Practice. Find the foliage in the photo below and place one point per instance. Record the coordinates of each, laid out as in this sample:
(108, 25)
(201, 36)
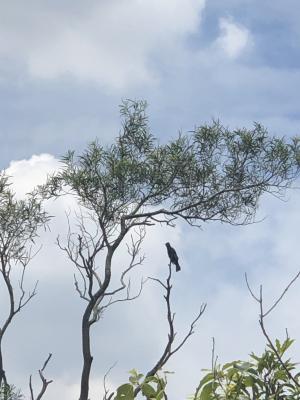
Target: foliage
(151, 387)
(263, 377)
(211, 174)
(9, 392)
(19, 221)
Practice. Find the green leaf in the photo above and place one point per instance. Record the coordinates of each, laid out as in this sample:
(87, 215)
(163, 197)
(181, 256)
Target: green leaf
(135, 376)
(230, 364)
(148, 390)
(244, 366)
(281, 375)
(206, 392)
(249, 381)
(125, 392)
(133, 380)
(133, 372)
(277, 344)
(160, 395)
(206, 379)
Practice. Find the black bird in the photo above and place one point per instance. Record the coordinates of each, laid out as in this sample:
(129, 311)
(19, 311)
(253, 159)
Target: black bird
(173, 256)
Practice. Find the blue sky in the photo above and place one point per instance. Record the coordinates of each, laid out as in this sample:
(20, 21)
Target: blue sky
(65, 66)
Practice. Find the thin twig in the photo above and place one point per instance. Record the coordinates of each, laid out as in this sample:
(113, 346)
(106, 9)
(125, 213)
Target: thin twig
(282, 294)
(107, 396)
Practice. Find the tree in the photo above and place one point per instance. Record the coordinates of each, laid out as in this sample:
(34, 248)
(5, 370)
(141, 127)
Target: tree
(9, 392)
(19, 224)
(211, 174)
(262, 377)
(268, 376)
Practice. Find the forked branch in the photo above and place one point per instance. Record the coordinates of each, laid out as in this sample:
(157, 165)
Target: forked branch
(107, 394)
(262, 314)
(45, 382)
(135, 260)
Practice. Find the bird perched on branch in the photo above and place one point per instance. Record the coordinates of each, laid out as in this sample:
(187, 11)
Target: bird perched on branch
(173, 256)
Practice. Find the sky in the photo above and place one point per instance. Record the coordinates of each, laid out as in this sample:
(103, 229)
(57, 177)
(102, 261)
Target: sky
(65, 67)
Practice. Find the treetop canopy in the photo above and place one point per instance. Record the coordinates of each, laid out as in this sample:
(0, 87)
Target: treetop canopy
(212, 173)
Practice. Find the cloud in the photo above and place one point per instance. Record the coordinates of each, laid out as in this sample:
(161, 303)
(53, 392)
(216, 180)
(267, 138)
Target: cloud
(197, 79)
(233, 39)
(28, 173)
(111, 43)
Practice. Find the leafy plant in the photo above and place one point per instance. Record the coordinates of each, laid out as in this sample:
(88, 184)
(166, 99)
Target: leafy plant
(263, 377)
(151, 387)
(9, 392)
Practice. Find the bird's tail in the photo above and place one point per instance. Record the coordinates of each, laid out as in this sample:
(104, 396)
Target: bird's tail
(178, 267)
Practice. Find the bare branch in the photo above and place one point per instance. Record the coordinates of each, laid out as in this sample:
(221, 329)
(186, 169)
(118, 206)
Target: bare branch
(82, 293)
(133, 251)
(169, 349)
(263, 314)
(249, 288)
(282, 294)
(107, 395)
(45, 382)
(16, 302)
(191, 330)
(99, 311)
(159, 281)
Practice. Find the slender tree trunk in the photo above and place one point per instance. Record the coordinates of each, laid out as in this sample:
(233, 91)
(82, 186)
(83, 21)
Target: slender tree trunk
(86, 353)
(86, 327)
(2, 372)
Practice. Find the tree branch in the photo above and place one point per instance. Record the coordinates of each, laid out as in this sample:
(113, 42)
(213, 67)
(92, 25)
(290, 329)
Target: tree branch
(107, 395)
(263, 314)
(45, 382)
(169, 350)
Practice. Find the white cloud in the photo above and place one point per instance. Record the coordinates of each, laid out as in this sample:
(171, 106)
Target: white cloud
(111, 42)
(27, 174)
(233, 39)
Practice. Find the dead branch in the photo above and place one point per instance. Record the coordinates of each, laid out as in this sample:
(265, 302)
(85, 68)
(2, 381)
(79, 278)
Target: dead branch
(282, 294)
(133, 250)
(170, 350)
(45, 382)
(100, 310)
(107, 394)
(16, 303)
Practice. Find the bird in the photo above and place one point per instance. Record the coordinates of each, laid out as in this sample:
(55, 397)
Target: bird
(173, 256)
